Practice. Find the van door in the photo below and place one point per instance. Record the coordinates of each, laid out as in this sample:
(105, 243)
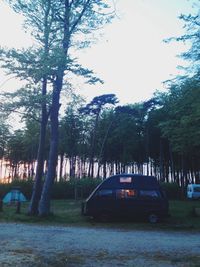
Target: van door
(103, 202)
(150, 201)
(127, 202)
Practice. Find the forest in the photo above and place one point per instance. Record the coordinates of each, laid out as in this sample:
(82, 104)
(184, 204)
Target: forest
(159, 136)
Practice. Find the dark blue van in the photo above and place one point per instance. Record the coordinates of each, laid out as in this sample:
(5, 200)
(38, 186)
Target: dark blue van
(129, 195)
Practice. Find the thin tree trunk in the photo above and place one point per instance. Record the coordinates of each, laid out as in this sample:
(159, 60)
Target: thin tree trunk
(104, 170)
(102, 146)
(183, 174)
(161, 162)
(91, 163)
(72, 166)
(61, 165)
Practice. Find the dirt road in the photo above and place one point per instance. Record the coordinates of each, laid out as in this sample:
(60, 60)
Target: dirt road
(24, 245)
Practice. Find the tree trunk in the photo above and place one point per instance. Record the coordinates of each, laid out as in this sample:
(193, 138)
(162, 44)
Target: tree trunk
(72, 166)
(91, 163)
(102, 146)
(61, 165)
(183, 174)
(161, 163)
(104, 170)
(78, 174)
(44, 204)
(171, 163)
(36, 194)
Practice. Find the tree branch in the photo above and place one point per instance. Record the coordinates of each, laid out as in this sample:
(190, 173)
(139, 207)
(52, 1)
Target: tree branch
(79, 17)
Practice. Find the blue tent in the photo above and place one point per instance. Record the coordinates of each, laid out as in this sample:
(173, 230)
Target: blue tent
(14, 195)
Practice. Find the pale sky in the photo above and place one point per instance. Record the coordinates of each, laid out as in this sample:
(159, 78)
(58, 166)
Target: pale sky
(130, 57)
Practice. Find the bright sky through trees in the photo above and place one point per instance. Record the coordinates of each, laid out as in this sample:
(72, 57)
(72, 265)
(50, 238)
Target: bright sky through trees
(130, 56)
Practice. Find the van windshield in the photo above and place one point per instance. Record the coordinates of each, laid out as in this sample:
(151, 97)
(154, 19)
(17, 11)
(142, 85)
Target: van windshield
(197, 189)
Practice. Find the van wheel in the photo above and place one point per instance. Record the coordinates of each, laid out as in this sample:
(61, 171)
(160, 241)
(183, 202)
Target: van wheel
(153, 218)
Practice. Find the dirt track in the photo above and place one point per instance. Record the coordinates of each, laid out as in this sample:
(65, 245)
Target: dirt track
(24, 245)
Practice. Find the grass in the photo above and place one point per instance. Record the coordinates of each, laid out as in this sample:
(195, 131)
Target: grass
(67, 212)
(183, 215)
(63, 212)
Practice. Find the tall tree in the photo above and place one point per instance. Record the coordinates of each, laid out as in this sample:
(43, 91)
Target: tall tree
(64, 21)
(16, 152)
(74, 18)
(192, 24)
(4, 137)
(32, 64)
(192, 38)
(71, 127)
(31, 104)
(95, 108)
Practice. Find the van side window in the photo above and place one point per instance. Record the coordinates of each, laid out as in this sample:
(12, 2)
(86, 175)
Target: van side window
(149, 194)
(125, 193)
(104, 193)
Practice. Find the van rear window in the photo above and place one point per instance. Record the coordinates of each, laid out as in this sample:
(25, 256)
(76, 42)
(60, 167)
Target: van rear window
(149, 194)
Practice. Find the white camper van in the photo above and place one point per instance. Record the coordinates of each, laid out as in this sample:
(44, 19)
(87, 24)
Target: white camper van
(193, 191)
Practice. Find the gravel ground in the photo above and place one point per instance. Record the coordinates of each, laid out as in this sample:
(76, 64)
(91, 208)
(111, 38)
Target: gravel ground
(24, 245)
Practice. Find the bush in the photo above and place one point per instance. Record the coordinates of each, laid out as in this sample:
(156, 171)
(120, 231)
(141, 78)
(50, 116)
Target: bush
(172, 190)
(77, 188)
(62, 190)
(4, 188)
(74, 188)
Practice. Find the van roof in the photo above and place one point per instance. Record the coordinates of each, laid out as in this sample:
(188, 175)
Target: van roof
(130, 181)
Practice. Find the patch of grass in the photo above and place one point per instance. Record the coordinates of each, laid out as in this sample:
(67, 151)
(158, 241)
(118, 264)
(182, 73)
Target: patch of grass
(182, 214)
(63, 212)
(68, 212)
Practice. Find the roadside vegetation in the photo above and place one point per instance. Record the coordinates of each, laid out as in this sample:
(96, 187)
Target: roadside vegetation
(66, 206)
(68, 212)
